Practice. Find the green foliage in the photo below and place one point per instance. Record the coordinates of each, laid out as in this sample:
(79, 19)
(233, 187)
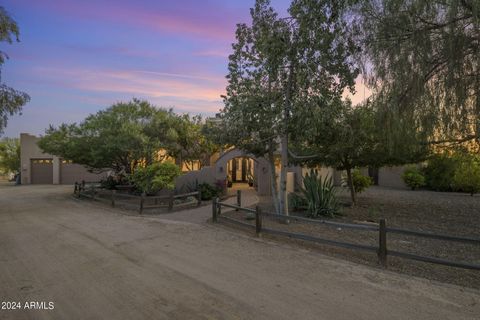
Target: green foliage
(360, 182)
(155, 177)
(118, 138)
(190, 143)
(422, 60)
(413, 177)
(319, 195)
(281, 68)
(467, 175)
(9, 155)
(440, 171)
(297, 202)
(11, 100)
(111, 182)
(208, 191)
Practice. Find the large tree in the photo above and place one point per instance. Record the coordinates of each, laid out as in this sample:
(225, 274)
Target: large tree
(422, 59)
(281, 67)
(349, 137)
(11, 100)
(118, 138)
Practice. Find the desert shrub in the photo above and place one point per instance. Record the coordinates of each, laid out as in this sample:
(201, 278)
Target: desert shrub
(440, 171)
(209, 191)
(111, 182)
(155, 177)
(360, 182)
(296, 202)
(318, 195)
(467, 175)
(413, 177)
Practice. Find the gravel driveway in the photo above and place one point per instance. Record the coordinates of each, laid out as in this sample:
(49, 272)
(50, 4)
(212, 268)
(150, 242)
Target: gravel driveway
(94, 262)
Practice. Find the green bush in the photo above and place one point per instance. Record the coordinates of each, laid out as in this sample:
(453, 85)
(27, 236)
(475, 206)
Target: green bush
(111, 182)
(155, 177)
(467, 175)
(360, 182)
(413, 177)
(208, 192)
(440, 171)
(296, 202)
(319, 195)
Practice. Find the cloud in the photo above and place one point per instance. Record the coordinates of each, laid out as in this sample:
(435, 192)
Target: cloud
(190, 19)
(163, 87)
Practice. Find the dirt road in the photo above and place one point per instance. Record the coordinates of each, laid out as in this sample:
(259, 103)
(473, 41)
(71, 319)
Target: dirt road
(93, 262)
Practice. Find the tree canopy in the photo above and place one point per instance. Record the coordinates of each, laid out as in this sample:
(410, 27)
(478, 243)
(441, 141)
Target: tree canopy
(11, 100)
(422, 60)
(9, 155)
(279, 69)
(127, 135)
(117, 138)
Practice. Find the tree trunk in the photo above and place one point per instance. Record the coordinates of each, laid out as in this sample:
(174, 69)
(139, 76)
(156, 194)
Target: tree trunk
(351, 186)
(273, 181)
(283, 175)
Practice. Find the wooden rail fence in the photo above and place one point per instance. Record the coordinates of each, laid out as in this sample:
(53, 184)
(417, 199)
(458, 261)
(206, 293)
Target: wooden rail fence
(94, 192)
(381, 250)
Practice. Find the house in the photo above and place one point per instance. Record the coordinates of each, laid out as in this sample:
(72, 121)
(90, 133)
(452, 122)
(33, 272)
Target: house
(43, 168)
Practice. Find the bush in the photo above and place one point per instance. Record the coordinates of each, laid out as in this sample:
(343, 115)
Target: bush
(111, 182)
(318, 196)
(467, 175)
(155, 177)
(297, 202)
(360, 182)
(413, 177)
(208, 191)
(440, 171)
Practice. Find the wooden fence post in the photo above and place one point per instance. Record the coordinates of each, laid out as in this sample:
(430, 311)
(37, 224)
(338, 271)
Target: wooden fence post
(239, 199)
(113, 198)
(214, 210)
(170, 203)
(382, 243)
(258, 221)
(142, 199)
(199, 195)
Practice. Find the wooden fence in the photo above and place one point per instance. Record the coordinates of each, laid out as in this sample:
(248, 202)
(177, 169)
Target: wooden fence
(382, 229)
(144, 202)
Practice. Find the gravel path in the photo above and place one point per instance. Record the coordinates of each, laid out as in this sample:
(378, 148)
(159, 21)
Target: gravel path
(94, 262)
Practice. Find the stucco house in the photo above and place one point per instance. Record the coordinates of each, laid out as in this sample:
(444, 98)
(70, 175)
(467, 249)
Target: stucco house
(37, 167)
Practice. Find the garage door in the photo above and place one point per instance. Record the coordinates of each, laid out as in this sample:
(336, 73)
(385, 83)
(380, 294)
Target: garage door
(42, 171)
(71, 172)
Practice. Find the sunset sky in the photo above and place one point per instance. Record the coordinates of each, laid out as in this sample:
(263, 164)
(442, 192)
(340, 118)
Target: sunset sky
(77, 57)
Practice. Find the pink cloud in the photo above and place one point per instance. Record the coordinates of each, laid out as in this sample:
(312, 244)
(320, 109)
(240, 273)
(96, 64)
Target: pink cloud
(190, 92)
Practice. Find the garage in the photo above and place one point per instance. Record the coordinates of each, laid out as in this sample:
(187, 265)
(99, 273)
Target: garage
(71, 172)
(42, 171)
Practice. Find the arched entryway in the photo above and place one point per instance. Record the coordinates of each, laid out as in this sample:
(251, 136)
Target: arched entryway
(243, 170)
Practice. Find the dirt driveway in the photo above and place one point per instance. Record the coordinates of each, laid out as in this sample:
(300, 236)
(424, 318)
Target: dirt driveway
(96, 263)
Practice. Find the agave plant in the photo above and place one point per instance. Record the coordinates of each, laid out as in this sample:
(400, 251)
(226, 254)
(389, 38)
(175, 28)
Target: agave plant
(319, 195)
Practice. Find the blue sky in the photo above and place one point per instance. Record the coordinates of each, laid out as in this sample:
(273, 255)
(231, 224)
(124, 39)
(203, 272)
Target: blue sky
(77, 57)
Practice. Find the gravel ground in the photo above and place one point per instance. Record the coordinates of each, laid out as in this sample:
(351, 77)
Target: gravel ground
(444, 213)
(96, 262)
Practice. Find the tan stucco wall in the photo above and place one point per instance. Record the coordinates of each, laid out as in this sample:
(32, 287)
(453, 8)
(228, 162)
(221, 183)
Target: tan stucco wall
(30, 150)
